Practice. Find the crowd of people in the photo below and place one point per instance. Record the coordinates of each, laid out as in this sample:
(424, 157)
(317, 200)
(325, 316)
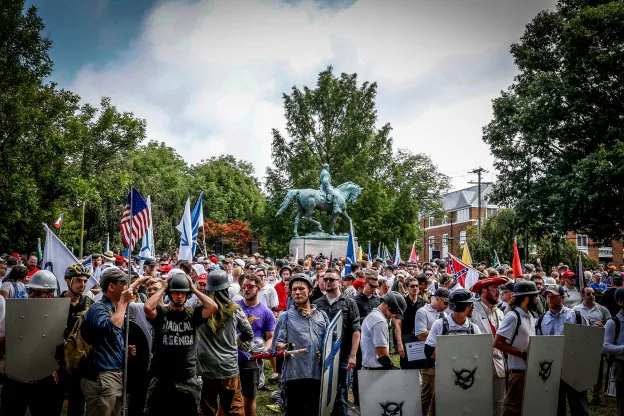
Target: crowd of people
(197, 332)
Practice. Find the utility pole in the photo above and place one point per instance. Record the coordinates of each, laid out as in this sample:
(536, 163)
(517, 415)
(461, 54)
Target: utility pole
(84, 203)
(479, 172)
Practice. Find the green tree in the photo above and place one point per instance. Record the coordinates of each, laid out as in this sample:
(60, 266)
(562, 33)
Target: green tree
(557, 132)
(336, 123)
(231, 190)
(33, 168)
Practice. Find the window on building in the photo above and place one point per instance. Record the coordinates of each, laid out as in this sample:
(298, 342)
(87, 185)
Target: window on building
(445, 220)
(463, 214)
(581, 240)
(444, 245)
(431, 246)
(462, 238)
(431, 221)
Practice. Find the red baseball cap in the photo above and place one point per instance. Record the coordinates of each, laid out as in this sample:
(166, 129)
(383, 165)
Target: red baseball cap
(359, 283)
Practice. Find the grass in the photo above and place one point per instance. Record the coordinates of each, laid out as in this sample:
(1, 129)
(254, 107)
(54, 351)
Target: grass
(608, 408)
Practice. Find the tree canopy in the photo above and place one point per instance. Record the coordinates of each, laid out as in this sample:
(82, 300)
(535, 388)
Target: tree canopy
(557, 132)
(336, 123)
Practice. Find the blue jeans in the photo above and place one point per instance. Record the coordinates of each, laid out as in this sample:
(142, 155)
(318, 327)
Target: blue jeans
(341, 405)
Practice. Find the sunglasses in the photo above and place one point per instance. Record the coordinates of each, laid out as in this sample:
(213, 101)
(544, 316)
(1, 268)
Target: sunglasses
(413, 286)
(329, 280)
(249, 286)
(38, 293)
(373, 286)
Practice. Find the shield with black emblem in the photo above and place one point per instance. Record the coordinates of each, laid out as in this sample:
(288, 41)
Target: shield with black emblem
(34, 332)
(390, 393)
(541, 386)
(582, 352)
(463, 379)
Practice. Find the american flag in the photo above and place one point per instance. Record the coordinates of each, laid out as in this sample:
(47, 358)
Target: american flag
(140, 219)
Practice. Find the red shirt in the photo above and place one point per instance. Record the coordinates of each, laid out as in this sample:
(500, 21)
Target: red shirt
(282, 296)
(30, 273)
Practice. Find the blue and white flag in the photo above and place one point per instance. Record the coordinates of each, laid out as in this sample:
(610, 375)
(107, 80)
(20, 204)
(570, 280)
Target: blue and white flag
(370, 254)
(397, 253)
(185, 227)
(107, 248)
(350, 256)
(147, 244)
(88, 263)
(57, 258)
(197, 221)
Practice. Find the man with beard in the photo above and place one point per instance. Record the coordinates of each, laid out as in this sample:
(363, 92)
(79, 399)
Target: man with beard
(31, 265)
(76, 277)
(175, 386)
(304, 327)
(331, 304)
(488, 317)
(217, 351)
(461, 303)
(512, 338)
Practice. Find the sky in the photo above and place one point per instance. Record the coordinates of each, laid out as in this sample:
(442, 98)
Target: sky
(208, 75)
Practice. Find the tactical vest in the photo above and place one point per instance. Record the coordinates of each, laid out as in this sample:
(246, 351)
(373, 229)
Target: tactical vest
(446, 330)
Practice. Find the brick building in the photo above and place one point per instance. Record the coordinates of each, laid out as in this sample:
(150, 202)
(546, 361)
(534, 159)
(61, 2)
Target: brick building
(604, 252)
(448, 234)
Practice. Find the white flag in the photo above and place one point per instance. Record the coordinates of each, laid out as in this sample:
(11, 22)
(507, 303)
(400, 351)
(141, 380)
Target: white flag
(57, 258)
(147, 245)
(185, 227)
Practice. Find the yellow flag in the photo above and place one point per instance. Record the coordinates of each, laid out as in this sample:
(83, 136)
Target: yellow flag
(466, 258)
(360, 254)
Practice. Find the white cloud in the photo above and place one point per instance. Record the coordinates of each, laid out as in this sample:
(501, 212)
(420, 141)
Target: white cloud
(208, 75)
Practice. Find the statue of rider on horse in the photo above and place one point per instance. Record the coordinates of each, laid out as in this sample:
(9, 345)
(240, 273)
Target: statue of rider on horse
(331, 200)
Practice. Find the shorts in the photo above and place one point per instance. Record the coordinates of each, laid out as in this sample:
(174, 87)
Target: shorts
(249, 377)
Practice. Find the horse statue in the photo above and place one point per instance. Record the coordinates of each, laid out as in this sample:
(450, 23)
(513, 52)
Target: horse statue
(310, 199)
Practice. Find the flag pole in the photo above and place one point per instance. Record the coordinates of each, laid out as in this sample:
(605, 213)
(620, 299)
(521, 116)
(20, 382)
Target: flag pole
(127, 318)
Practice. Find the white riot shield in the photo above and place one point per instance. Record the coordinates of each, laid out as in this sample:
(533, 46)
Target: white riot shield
(541, 386)
(581, 355)
(390, 392)
(463, 379)
(331, 363)
(34, 329)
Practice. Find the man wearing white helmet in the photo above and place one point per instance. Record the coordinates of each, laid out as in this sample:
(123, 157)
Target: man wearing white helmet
(40, 397)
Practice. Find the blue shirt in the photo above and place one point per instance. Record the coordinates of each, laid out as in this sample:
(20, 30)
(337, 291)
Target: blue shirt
(597, 286)
(611, 345)
(305, 333)
(108, 340)
(552, 324)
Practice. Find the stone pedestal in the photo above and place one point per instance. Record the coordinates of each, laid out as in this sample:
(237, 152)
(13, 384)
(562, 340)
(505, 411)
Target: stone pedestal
(336, 246)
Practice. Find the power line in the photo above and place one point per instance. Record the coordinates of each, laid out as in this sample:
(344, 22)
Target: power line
(479, 171)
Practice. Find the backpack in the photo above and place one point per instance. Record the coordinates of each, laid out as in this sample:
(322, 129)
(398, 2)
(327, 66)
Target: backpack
(76, 350)
(538, 325)
(518, 323)
(19, 293)
(446, 330)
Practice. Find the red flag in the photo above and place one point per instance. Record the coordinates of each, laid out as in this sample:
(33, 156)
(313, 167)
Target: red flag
(516, 265)
(413, 255)
(59, 222)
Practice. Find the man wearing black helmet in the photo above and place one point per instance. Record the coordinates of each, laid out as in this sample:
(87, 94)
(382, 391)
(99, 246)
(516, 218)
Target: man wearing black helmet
(303, 326)
(375, 335)
(174, 386)
(217, 350)
(512, 338)
(461, 303)
(613, 344)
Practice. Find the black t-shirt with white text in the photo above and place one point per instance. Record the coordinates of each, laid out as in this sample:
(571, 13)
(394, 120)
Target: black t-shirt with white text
(174, 342)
